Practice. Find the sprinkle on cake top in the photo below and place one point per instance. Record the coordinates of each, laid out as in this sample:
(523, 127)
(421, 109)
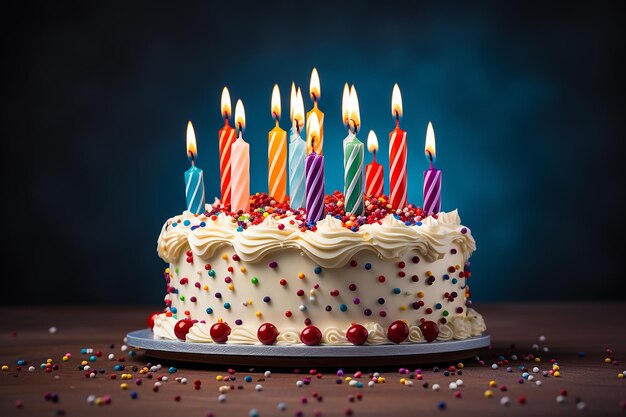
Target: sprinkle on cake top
(376, 208)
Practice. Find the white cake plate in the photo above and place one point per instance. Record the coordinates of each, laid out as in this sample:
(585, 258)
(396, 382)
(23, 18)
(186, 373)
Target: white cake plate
(298, 355)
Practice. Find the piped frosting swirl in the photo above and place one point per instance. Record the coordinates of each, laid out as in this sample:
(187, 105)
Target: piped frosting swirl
(457, 328)
(330, 246)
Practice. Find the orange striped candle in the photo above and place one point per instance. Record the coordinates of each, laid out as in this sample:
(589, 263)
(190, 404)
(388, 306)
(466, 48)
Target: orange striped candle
(226, 140)
(277, 154)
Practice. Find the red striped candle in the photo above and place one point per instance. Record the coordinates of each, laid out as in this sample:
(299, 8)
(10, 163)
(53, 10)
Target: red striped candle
(397, 155)
(432, 176)
(226, 140)
(374, 172)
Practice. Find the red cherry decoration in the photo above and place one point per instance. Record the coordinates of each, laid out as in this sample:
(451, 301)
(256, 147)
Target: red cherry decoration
(311, 336)
(430, 330)
(220, 332)
(267, 333)
(151, 318)
(398, 331)
(357, 334)
(181, 328)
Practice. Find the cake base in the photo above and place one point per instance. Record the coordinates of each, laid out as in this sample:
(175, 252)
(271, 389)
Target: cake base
(280, 356)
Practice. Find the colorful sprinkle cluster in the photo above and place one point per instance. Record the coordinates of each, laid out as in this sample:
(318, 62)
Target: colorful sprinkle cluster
(376, 208)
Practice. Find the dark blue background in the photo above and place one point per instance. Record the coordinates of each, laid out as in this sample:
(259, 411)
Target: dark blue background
(527, 100)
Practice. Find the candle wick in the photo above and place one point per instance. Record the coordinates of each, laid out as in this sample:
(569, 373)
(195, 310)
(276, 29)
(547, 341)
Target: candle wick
(297, 126)
(275, 117)
(356, 127)
(374, 154)
(397, 120)
(430, 156)
(193, 162)
(314, 99)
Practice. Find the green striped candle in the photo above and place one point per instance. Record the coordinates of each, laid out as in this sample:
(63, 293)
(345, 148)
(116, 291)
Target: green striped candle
(353, 174)
(352, 153)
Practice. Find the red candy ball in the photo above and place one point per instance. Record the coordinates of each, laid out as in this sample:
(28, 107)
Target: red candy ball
(220, 332)
(181, 328)
(430, 330)
(357, 334)
(311, 336)
(151, 318)
(398, 331)
(267, 333)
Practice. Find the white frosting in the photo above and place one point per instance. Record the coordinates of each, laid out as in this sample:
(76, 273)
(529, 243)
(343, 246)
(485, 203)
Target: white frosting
(288, 337)
(164, 327)
(242, 336)
(199, 333)
(330, 246)
(415, 334)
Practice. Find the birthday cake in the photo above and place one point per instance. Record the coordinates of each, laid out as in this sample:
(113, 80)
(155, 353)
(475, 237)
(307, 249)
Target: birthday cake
(354, 269)
(269, 277)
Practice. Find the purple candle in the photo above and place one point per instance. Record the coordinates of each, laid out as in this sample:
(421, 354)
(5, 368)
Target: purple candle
(432, 176)
(314, 171)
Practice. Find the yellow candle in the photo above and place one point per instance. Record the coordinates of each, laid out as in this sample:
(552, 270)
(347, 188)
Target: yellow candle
(315, 92)
(240, 165)
(277, 154)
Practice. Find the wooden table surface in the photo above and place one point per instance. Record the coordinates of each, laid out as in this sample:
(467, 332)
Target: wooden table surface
(577, 336)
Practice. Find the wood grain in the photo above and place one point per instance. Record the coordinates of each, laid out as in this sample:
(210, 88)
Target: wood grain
(570, 328)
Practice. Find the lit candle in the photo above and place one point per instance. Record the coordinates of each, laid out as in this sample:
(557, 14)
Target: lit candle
(226, 140)
(374, 172)
(432, 176)
(297, 152)
(277, 154)
(315, 92)
(397, 155)
(314, 174)
(194, 177)
(345, 105)
(240, 165)
(353, 160)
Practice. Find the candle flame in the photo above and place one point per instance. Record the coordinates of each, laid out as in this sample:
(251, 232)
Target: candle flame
(298, 111)
(226, 112)
(396, 103)
(345, 105)
(355, 114)
(314, 86)
(240, 117)
(430, 148)
(192, 150)
(372, 142)
(313, 134)
(292, 100)
(276, 103)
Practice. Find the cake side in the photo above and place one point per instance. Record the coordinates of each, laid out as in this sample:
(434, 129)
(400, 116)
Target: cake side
(330, 278)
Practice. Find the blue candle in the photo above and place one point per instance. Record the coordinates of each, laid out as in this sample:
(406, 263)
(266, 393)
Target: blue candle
(297, 152)
(194, 177)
